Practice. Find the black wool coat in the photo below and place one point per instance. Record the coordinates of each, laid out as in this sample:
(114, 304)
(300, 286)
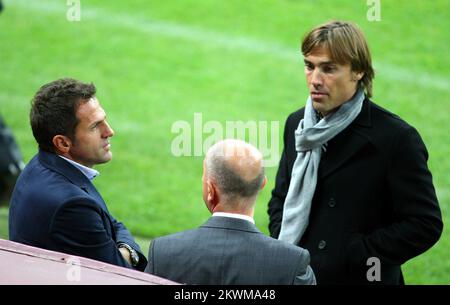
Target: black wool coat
(374, 198)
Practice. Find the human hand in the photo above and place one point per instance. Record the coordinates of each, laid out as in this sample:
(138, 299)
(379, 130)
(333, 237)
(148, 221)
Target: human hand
(126, 255)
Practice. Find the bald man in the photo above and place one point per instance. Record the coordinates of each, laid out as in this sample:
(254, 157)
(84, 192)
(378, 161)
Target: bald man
(228, 249)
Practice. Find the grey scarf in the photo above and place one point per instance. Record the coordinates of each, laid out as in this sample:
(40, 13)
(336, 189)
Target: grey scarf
(310, 138)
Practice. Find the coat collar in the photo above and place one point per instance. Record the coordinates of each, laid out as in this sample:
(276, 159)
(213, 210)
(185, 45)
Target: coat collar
(348, 142)
(73, 174)
(61, 166)
(231, 224)
(364, 117)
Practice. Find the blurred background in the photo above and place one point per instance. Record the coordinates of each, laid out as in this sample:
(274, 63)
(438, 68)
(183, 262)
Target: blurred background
(158, 62)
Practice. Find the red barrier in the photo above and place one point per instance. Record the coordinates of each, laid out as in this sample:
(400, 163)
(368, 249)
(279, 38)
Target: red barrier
(25, 265)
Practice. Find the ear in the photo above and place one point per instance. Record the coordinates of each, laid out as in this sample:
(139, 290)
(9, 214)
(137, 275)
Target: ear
(62, 144)
(357, 76)
(212, 196)
(264, 182)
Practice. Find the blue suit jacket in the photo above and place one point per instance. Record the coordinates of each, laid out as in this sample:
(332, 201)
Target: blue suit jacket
(54, 206)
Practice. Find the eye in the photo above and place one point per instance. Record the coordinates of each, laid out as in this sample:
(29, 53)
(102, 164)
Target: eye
(328, 69)
(309, 66)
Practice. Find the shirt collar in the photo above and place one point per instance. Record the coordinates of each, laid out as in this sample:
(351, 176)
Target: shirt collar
(90, 173)
(233, 215)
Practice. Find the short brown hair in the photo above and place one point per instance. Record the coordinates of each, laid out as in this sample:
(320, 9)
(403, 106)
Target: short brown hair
(346, 44)
(53, 110)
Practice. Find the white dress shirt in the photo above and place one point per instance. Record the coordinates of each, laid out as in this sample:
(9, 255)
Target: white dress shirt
(233, 215)
(90, 173)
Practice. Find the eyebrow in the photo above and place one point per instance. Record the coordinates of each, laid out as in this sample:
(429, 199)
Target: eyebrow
(97, 122)
(320, 64)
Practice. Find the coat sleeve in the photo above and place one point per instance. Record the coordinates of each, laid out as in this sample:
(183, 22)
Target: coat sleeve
(304, 274)
(78, 228)
(151, 259)
(280, 191)
(124, 236)
(416, 223)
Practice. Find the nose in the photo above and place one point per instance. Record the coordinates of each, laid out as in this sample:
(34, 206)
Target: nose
(109, 132)
(316, 78)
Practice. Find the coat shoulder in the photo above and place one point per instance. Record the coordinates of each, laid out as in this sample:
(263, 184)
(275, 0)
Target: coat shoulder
(44, 185)
(383, 116)
(45, 190)
(174, 240)
(285, 249)
(388, 127)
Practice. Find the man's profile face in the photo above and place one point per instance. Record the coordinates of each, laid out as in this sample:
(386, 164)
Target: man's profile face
(330, 84)
(91, 145)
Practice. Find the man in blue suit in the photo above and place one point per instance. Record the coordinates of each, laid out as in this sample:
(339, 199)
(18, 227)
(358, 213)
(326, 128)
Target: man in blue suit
(54, 205)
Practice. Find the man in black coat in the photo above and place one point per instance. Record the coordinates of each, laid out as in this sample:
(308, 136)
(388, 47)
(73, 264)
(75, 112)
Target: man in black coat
(353, 186)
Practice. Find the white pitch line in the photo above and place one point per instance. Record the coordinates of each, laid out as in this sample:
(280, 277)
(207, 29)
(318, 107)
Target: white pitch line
(208, 37)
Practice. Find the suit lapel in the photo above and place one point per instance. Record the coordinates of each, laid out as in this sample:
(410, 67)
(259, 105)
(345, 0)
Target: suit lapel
(346, 144)
(91, 190)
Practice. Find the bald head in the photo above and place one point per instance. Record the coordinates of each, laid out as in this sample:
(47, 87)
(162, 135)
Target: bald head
(236, 167)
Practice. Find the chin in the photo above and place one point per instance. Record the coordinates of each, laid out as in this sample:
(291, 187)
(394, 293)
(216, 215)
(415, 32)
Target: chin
(318, 106)
(106, 159)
